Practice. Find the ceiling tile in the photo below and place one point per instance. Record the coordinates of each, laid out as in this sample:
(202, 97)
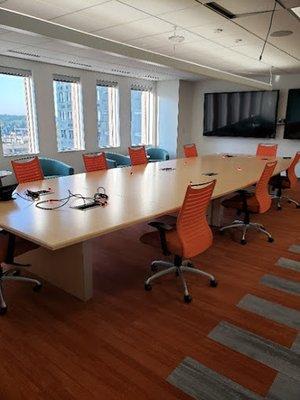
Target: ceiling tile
(156, 7)
(101, 16)
(36, 8)
(194, 16)
(135, 30)
(246, 6)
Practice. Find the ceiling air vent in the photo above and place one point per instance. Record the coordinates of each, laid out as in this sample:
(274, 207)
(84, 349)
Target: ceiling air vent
(121, 71)
(80, 64)
(24, 53)
(220, 10)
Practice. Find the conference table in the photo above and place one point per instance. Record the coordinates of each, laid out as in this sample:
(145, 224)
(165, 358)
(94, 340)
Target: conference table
(136, 194)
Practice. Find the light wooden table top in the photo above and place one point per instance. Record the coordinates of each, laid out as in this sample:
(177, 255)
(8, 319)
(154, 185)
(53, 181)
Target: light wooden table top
(136, 194)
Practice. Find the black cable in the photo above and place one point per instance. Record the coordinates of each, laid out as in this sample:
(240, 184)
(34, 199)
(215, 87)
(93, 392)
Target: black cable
(99, 198)
(270, 26)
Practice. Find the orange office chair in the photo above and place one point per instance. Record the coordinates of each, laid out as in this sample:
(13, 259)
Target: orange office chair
(95, 162)
(190, 150)
(138, 155)
(191, 236)
(266, 150)
(252, 203)
(280, 183)
(27, 170)
(11, 246)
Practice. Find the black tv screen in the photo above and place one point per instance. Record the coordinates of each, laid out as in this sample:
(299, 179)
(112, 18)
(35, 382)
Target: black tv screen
(292, 120)
(241, 114)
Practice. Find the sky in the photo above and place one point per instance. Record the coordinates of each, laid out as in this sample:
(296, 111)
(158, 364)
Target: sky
(12, 100)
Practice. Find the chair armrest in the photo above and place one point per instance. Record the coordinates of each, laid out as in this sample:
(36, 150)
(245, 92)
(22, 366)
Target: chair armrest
(162, 229)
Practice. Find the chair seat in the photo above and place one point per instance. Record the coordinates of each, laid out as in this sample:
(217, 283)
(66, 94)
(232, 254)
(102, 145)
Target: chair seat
(236, 202)
(172, 238)
(279, 181)
(21, 246)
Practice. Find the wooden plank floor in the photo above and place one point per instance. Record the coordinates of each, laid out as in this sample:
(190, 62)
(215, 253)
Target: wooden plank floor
(125, 342)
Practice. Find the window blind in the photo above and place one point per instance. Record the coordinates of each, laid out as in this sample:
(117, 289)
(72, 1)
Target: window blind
(107, 83)
(66, 79)
(14, 71)
(142, 88)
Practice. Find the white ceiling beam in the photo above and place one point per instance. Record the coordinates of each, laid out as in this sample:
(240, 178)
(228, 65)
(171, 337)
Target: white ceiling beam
(29, 24)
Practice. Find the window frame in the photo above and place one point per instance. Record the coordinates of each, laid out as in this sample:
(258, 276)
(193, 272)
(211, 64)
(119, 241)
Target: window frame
(151, 133)
(114, 116)
(31, 114)
(76, 113)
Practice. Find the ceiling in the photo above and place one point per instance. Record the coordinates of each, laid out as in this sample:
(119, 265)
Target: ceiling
(209, 38)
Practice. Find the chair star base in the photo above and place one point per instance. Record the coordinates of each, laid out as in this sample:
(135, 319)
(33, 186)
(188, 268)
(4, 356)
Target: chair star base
(245, 227)
(185, 266)
(279, 198)
(11, 273)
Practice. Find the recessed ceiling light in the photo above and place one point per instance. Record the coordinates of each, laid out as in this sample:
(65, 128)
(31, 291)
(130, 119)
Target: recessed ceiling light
(296, 10)
(281, 33)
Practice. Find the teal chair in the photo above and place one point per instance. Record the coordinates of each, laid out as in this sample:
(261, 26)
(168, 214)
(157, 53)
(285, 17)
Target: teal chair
(54, 168)
(157, 154)
(119, 159)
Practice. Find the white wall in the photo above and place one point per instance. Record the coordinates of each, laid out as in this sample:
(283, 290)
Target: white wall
(167, 106)
(191, 118)
(43, 87)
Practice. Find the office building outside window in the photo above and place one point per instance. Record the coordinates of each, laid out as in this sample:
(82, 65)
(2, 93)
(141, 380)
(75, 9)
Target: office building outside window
(17, 113)
(142, 132)
(107, 114)
(68, 114)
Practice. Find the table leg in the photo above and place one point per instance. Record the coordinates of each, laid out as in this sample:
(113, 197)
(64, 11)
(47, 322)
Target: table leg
(216, 212)
(69, 268)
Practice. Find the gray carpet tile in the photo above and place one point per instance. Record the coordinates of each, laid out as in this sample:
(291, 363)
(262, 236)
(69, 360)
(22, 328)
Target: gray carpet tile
(274, 311)
(282, 284)
(295, 248)
(202, 383)
(284, 388)
(278, 357)
(287, 263)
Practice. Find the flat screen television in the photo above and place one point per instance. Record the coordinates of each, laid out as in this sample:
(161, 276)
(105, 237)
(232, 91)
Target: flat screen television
(241, 114)
(292, 120)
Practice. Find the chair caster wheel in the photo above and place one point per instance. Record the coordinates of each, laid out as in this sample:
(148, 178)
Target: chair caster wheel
(3, 310)
(147, 287)
(298, 206)
(213, 283)
(270, 240)
(279, 208)
(221, 232)
(187, 298)
(190, 265)
(37, 287)
(243, 241)
(289, 201)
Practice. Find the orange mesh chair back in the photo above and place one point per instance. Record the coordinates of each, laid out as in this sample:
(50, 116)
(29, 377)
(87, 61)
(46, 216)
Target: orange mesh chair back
(28, 170)
(138, 155)
(94, 162)
(192, 227)
(266, 150)
(190, 150)
(262, 187)
(291, 173)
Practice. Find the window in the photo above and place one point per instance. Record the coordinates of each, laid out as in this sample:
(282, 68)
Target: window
(68, 114)
(107, 115)
(141, 116)
(17, 114)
